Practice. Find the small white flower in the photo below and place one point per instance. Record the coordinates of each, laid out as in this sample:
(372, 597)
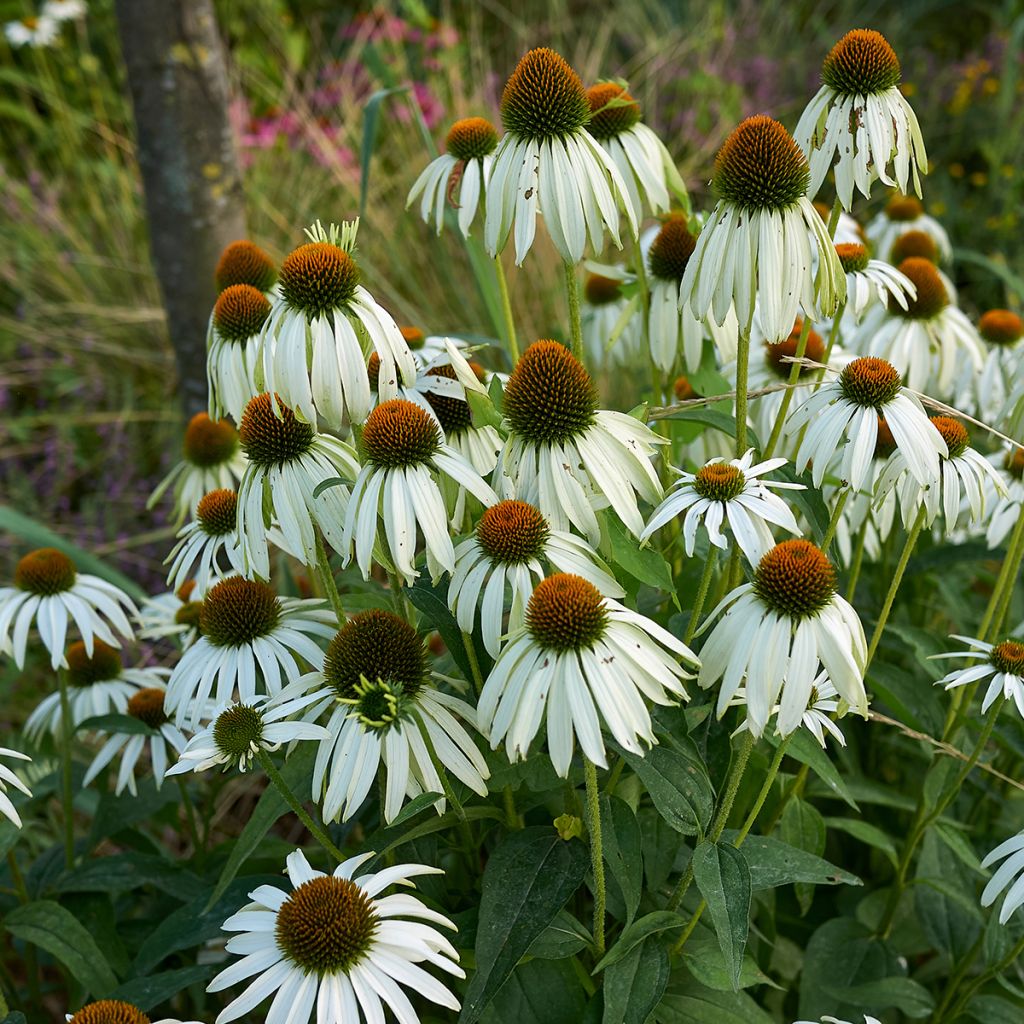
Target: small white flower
(1009, 463)
(347, 965)
(49, 591)
(1011, 870)
(987, 392)
(817, 719)
(173, 614)
(233, 346)
(8, 778)
(581, 660)
(32, 31)
(870, 282)
(197, 555)
(868, 1019)
(64, 10)
(1004, 662)
(903, 215)
(610, 321)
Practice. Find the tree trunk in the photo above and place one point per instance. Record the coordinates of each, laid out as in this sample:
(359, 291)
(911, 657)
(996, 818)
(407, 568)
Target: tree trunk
(194, 200)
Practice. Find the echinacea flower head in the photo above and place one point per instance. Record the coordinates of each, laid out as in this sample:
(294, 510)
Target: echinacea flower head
(478, 445)
(819, 717)
(900, 216)
(510, 547)
(233, 348)
(197, 554)
(775, 632)
(610, 319)
(582, 662)
(871, 281)
(1001, 327)
(860, 122)
(244, 262)
(49, 591)
(459, 175)
(286, 460)
(729, 493)
(335, 947)
(114, 1011)
(250, 639)
(868, 1019)
(40, 31)
(566, 456)
(8, 778)
(844, 415)
(1002, 664)
(913, 245)
(1010, 871)
(762, 238)
(547, 163)
(172, 614)
(404, 455)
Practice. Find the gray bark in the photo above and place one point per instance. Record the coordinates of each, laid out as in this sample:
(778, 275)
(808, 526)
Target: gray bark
(194, 199)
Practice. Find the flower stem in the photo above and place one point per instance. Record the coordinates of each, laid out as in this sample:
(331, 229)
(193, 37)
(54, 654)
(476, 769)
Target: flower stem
(296, 805)
(787, 395)
(766, 788)
(702, 594)
(327, 582)
(474, 662)
(572, 291)
(506, 310)
(833, 522)
(999, 602)
(190, 819)
(67, 792)
(742, 361)
(968, 991)
(858, 559)
(596, 852)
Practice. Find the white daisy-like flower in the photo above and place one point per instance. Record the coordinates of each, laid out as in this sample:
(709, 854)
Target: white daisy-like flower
(924, 336)
(1003, 662)
(547, 163)
(1003, 518)
(817, 719)
(405, 454)
(334, 946)
(764, 238)
(426, 348)
(511, 546)
(1001, 330)
(237, 732)
(114, 1011)
(1010, 871)
(201, 543)
(244, 262)
(645, 165)
(965, 476)
(212, 459)
(384, 711)
(458, 176)
(842, 416)
(41, 31)
(900, 216)
(98, 684)
(233, 347)
(250, 640)
(64, 10)
(581, 661)
(287, 460)
(147, 707)
(173, 614)
(566, 456)
(49, 591)
(610, 320)
(860, 121)
(321, 329)
(868, 1019)
(870, 282)
(775, 632)
(728, 494)
(8, 778)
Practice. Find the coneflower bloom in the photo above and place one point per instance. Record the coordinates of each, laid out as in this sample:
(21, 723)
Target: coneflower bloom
(547, 163)
(513, 544)
(566, 456)
(462, 170)
(1001, 330)
(250, 639)
(334, 946)
(312, 348)
(871, 281)
(868, 1019)
(818, 719)
(1010, 871)
(145, 706)
(610, 320)
(244, 262)
(776, 631)
(645, 165)
(114, 1011)
(965, 475)
(40, 31)
(1002, 665)
(8, 778)
(924, 336)
(384, 711)
(404, 455)
(203, 542)
(49, 591)
(98, 684)
(287, 459)
(728, 493)
(1010, 464)
(762, 238)
(63, 10)
(580, 661)
(211, 459)
(842, 416)
(901, 215)
(173, 614)
(233, 346)
(860, 121)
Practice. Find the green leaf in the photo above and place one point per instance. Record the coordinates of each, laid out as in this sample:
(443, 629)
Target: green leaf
(622, 851)
(958, 845)
(482, 410)
(528, 879)
(115, 723)
(805, 749)
(148, 993)
(773, 863)
(903, 994)
(326, 485)
(650, 924)
(644, 564)
(993, 1010)
(809, 501)
(704, 960)
(945, 898)
(14, 1018)
(713, 418)
(414, 806)
(564, 937)
(539, 992)
(723, 878)
(51, 927)
(633, 987)
(122, 872)
(371, 115)
(430, 600)
(704, 1006)
(678, 786)
(802, 826)
(866, 833)
(117, 813)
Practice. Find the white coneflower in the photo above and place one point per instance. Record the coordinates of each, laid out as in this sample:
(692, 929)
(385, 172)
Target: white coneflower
(775, 632)
(1001, 330)
(428, 347)
(250, 639)
(98, 684)
(320, 330)
(547, 163)
(511, 545)
(384, 711)
(924, 336)
(232, 357)
(64, 10)
(819, 717)
(763, 237)
(1003, 662)
(900, 216)
(40, 31)
(173, 614)
(1011, 870)
(728, 494)
(114, 1011)
(211, 459)
(566, 456)
(843, 415)
(869, 282)
(581, 660)
(868, 1019)
(145, 706)
(964, 477)
(237, 732)
(244, 262)
(8, 778)
(287, 460)
(611, 322)
(404, 454)
(462, 171)
(1004, 516)
(49, 591)
(197, 555)
(645, 165)
(860, 121)
(334, 947)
